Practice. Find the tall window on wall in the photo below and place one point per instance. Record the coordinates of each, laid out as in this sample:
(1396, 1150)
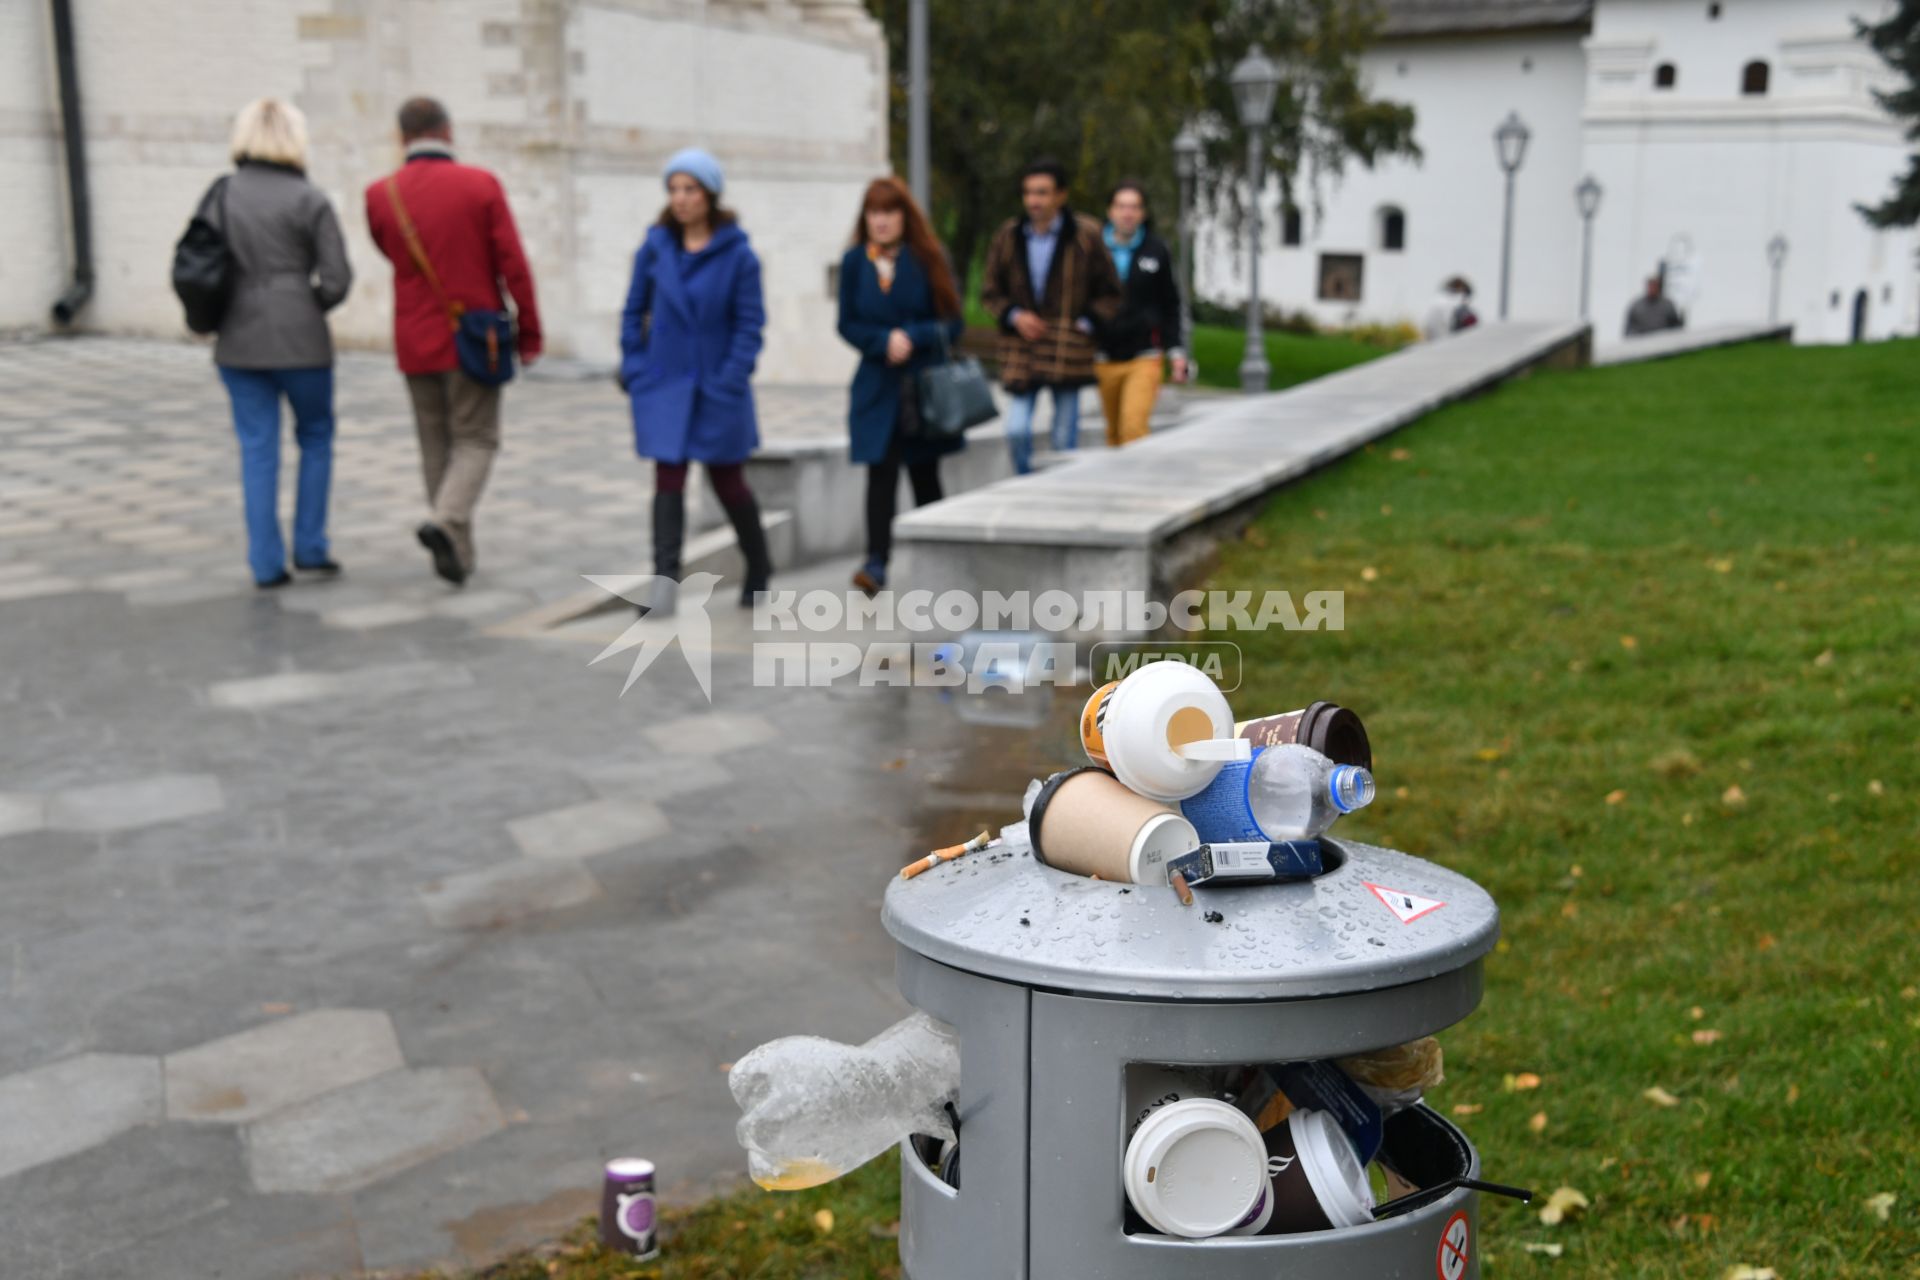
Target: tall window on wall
(1753, 79)
(1290, 226)
(1665, 76)
(1393, 229)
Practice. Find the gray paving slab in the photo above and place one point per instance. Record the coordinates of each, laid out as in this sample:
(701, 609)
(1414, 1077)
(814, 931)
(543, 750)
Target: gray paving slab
(360, 1135)
(711, 732)
(667, 774)
(21, 812)
(67, 1107)
(140, 802)
(256, 1073)
(259, 693)
(582, 830)
(510, 891)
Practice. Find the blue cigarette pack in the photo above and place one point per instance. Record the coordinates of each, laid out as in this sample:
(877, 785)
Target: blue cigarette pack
(1248, 862)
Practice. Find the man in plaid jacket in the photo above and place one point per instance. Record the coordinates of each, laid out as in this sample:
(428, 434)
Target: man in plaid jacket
(1049, 279)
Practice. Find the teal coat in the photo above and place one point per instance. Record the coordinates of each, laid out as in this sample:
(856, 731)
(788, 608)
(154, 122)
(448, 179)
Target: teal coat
(867, 315)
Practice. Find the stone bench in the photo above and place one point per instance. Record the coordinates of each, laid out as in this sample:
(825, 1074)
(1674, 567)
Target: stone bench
(1146, 517)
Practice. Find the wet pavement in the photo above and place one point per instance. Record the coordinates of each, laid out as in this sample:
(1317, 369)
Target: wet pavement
(342, 928)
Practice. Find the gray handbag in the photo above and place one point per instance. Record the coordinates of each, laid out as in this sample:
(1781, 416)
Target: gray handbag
(954, 394)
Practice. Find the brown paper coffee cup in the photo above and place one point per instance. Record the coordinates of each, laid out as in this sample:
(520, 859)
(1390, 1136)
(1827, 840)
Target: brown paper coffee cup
(1085, 822)
(1331, 729)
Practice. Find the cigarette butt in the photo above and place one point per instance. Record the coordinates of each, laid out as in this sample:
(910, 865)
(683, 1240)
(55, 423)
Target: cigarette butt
(1179, 883)
(947, 854)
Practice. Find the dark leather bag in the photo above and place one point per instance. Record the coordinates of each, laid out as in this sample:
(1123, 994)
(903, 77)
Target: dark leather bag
(482, 337)
(953, 395)
(203, 266)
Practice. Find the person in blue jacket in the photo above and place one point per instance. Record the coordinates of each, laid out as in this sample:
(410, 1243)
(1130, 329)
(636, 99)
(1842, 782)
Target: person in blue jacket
(900, 309)
(688, 340)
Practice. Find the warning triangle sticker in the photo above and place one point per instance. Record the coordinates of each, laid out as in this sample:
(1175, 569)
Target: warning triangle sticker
(1408, 907)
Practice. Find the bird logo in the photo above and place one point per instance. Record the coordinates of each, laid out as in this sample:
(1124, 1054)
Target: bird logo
(689, 624)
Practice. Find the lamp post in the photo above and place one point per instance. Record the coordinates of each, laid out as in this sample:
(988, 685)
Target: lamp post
(1776, 258)
(1510, 145)
(1587, 197)
(1186, 163)
(919, 160)
(1255, 81)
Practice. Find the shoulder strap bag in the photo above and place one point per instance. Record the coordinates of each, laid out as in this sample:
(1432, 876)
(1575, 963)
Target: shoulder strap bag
(482, 337)
(203, 266)
(954, 394)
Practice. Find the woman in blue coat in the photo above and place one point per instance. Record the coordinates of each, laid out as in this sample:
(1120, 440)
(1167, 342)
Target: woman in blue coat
(688, 342)
(900, 309)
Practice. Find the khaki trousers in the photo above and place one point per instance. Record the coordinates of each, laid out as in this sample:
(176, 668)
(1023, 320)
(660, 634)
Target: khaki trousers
(1128, 389)
(458, 421)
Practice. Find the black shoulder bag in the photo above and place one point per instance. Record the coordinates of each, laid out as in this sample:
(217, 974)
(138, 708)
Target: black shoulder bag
(203, 267)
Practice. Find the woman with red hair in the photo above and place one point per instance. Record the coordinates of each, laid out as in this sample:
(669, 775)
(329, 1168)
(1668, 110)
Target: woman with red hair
(899, 307)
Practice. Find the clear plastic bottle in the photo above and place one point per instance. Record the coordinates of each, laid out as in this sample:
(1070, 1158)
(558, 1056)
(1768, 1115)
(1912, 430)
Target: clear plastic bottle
(813, 1109)
(1289, 792)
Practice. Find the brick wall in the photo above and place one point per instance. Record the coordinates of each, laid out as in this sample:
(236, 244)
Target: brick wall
(574, 103)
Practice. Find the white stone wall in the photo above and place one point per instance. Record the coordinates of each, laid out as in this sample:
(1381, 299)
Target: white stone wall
(1699, 161)
(1452, 197)
(574, 103)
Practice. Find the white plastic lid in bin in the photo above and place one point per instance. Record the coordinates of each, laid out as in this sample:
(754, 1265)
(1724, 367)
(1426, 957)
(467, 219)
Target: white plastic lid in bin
(1333, 1168)
(1195, 1168)
(1158, 728)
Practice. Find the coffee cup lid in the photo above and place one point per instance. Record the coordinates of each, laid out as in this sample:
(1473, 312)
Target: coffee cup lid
(1195, 1168)
(1143, 716)
(1333, 1168)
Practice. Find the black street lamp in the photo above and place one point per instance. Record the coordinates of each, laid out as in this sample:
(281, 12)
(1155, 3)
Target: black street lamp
(1587, 197)
(1255, 82)
(1186, 163)
(1510, 145)
(1776, 258)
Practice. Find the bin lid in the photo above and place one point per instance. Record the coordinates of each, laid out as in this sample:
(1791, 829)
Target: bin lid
(1378, 919)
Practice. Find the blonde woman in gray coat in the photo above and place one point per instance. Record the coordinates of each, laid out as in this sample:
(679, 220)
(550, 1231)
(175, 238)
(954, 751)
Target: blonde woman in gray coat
(290, 270)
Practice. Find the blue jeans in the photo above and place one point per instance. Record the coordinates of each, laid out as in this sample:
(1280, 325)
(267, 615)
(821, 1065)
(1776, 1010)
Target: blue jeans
(256, 420)
(1065, 429)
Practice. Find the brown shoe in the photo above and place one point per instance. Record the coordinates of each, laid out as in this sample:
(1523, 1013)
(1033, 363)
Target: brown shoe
(863, 578)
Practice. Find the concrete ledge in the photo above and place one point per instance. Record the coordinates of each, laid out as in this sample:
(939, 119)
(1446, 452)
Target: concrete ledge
(1143, 518)
(1679, 342)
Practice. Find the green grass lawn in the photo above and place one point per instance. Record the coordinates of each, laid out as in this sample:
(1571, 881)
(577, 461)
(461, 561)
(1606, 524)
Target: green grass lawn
(1294, 357)
(1637, 651)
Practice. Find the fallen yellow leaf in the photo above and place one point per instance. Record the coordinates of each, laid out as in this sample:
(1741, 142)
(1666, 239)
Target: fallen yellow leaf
(1733, 797)
(1720, 566)
(1875, 787)
(1629, 642)
(1564, 1203)
(1489, 754)
(1702, 1178)
(1401, 455)
(1793, 1094)
(1745, 1272)
(1910, 993)
(823, 1219)
(1548, 1250)
(1537, 1122)
(1706, 1035)
(1824, 659)
(1696, 1013)
(1520, 1083)
(1615, 797)
(1467, 1108)
(1660, 1097)
(1369, 573)
(1881, 1206)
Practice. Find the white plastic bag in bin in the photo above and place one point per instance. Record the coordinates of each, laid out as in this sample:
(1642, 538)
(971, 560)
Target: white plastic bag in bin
(814, 1109)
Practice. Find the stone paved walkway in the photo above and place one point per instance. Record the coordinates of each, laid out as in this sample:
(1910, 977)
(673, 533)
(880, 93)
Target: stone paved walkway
(339, 933)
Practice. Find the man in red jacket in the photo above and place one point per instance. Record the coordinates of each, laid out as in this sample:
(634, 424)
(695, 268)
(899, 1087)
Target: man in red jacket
(465, 230)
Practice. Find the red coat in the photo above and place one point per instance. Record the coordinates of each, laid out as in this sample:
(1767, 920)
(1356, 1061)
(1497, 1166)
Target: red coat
(467, 230)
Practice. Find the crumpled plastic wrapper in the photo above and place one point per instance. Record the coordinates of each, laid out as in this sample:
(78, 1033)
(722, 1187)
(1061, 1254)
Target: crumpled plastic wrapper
(1397, 1077)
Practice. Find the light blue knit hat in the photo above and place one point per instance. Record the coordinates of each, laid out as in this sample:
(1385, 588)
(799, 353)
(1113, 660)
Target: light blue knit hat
(698, 165)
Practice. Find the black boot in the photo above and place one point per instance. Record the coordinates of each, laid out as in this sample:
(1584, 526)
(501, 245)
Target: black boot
(669, 528)
(753, 546)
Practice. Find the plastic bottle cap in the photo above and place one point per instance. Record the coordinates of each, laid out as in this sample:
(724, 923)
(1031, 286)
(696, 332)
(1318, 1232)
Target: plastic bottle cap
(1333, 1168)
(1153, 714)
(1164, 837)
(1195, 1168)
(1226, 750)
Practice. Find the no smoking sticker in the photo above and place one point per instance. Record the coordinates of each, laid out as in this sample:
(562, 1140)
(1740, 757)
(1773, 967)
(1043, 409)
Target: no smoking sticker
(1455, 1247)
(1408, 907)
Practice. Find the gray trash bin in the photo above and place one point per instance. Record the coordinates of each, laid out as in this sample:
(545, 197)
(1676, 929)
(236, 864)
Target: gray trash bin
(1057, 983)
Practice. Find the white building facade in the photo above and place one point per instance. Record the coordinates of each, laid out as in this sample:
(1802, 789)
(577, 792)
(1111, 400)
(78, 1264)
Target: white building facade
(575, 104)
(1712, 129)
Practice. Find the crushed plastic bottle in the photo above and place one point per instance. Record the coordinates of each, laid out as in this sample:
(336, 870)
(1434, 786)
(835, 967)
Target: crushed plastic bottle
(814, 1109)
(1288, 792)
